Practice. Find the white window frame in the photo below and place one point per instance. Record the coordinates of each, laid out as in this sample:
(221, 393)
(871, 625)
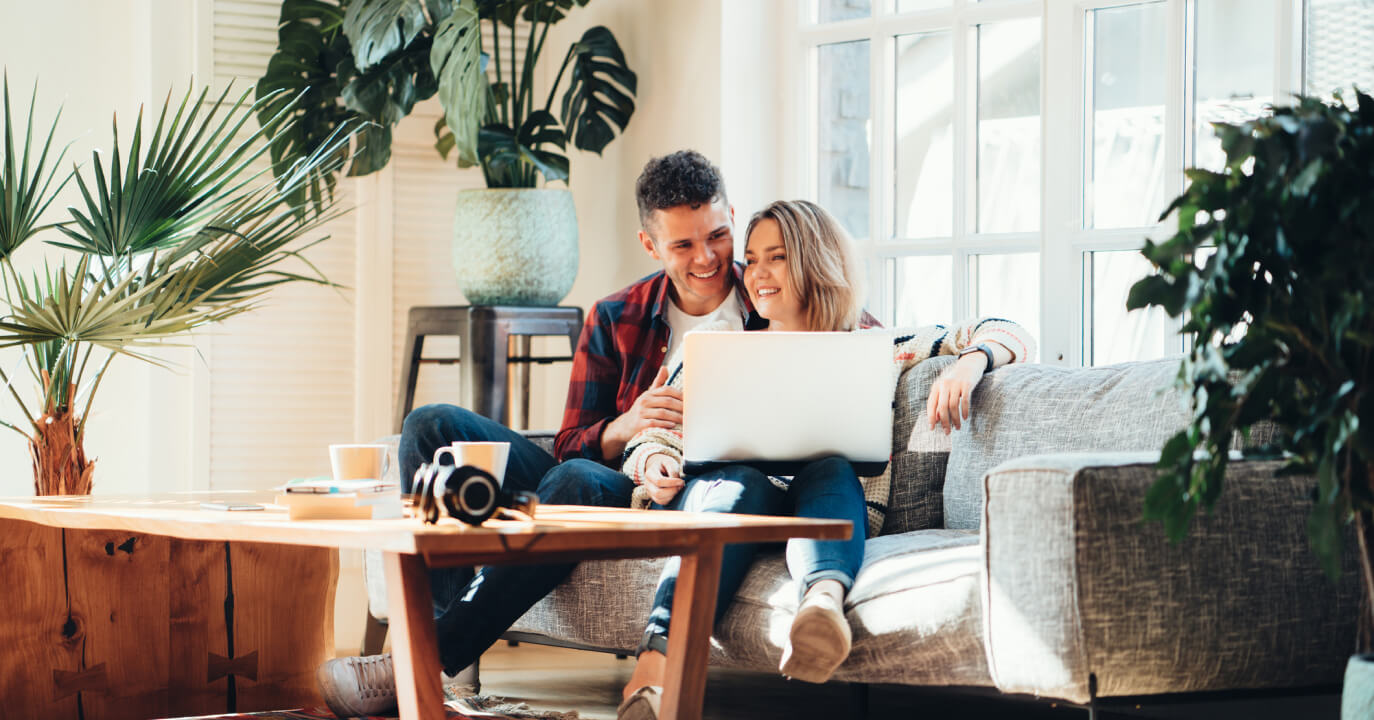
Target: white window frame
(1062, 240)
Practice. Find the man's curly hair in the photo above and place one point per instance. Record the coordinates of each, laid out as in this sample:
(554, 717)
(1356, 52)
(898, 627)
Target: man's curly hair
(685, 177)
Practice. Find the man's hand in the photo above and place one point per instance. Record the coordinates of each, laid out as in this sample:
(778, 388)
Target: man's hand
(952, 392)
(663, 477)
(659, 406)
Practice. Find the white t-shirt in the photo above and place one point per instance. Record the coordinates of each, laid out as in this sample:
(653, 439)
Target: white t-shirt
(680, 323)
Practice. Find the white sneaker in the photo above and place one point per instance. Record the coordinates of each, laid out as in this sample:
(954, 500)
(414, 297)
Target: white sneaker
(819, 640)
(354, 686)
(643, 704)
(464, 683)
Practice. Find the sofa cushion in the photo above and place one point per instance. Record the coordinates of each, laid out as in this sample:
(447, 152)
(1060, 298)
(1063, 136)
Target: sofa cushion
(603, 604)
(1035, 409)
(918, 455)
(914, 608)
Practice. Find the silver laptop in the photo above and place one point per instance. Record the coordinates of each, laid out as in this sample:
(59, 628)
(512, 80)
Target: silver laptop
(775, 400)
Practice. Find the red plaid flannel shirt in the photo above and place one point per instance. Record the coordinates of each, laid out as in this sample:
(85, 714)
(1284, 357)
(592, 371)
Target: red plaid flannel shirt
(621, 348)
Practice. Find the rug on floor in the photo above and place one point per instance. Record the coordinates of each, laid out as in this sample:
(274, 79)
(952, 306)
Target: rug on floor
(477, 707)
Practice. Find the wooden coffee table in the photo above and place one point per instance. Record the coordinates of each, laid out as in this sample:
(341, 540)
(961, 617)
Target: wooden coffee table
(411, 549)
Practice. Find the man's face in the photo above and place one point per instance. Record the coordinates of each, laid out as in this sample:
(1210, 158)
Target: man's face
(696, 246)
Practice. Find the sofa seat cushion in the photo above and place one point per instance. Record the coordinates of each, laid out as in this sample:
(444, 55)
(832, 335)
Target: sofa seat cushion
(603, 604)
(915, 609)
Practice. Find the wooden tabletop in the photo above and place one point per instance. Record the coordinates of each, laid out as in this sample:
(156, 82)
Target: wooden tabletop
(569, 527)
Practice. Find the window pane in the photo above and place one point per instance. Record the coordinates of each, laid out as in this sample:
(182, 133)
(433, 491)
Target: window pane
(923, 290)
(833, 10)
(1112, 335)
(1007, 286)
(843, 134)
(1126, 183)
(914, 5)
(1225, 90)
(1009, 126)
(1340, 45)
(924, 136)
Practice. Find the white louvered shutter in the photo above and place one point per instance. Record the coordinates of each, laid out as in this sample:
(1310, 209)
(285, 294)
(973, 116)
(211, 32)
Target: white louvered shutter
(244, 37)
(281, 376)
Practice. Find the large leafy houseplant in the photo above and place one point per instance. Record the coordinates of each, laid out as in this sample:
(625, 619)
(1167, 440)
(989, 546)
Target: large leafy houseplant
(183, 229)
(372, 60)
(1281, 316)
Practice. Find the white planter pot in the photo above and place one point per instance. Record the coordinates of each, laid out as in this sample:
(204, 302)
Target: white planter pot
(515, 246)
(1357, 695)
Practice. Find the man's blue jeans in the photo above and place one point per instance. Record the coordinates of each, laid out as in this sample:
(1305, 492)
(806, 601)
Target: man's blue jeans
(472, 611)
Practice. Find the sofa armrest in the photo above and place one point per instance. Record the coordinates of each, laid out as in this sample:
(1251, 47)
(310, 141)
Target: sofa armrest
(1081, 597)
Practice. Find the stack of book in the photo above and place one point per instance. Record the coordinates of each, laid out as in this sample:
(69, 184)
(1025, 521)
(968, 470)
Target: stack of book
(324, 498)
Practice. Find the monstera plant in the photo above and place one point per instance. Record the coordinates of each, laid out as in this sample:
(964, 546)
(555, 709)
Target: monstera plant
(373, 60)
(1281, 318)
(181, 230)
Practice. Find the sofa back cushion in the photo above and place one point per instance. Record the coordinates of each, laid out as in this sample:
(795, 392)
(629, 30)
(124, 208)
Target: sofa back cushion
(1034, 409)
(918, 470)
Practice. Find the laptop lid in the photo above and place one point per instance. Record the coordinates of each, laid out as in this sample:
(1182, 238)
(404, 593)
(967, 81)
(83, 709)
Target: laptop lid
(777, 400)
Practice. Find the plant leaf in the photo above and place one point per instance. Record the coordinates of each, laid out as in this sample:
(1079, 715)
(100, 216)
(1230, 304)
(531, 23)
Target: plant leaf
(456, 59)
(378, 28)
(25, 193)
(304, 80)
(600, 92)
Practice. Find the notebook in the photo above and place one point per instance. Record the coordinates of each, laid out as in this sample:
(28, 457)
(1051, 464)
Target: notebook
(776, 400)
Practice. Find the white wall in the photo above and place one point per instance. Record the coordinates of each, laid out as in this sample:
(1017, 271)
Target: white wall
(97, 61)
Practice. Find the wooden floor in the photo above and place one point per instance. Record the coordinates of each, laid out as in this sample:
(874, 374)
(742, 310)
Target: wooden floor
(590, 683)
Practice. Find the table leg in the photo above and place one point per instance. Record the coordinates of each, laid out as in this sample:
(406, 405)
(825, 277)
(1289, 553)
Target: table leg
(689, 638)
(415, 648)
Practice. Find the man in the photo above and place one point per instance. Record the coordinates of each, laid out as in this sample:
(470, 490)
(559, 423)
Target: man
(617, 389)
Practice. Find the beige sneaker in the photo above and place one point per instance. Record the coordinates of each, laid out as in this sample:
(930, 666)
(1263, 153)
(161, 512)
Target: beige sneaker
(354, 686)
(641, 705)
(819, 639)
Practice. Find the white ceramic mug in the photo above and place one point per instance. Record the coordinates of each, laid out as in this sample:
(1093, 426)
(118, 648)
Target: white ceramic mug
(489, 456)
(360, 461)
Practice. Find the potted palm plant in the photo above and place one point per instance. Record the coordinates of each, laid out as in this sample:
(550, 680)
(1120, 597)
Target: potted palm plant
(180, 231)
(372, 60)
(1281, 319)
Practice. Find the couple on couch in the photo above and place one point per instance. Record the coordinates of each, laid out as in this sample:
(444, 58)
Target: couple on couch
(621, 437)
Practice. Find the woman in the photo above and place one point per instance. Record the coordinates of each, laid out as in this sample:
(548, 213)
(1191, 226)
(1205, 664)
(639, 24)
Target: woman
(802, 275)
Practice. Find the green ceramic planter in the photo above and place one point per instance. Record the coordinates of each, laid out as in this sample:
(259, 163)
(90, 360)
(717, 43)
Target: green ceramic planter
(515, 246)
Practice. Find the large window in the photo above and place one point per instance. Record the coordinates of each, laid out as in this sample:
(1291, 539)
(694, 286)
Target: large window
(925, 117)
(1010, 158)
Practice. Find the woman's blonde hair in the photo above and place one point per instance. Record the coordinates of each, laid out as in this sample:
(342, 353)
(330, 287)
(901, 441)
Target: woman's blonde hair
(822, 267)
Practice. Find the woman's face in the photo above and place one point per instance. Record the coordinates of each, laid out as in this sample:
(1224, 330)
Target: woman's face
(765, 278)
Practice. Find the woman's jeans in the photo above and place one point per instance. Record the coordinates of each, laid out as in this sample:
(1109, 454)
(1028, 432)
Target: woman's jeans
(731, 489)
(472, 611)
(826, 489)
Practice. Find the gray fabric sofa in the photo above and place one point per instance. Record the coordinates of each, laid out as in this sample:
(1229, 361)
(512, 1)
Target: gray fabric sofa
(1013, 557)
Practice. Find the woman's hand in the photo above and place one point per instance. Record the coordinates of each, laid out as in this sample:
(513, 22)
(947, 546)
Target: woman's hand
(952, 392)
(663, 477)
